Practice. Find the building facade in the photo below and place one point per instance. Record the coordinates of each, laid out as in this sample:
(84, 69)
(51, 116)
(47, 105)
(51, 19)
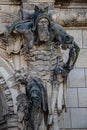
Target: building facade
(72, 15)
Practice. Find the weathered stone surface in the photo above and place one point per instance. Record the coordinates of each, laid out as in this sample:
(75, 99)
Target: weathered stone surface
(16, 128)
(7, 91)
(65, 120)
(16, 60)
(77, 34)
(10, 104)
(30, 6)
(79, 117)
(86, 76)
(65, 55)
(84, 38)
(8, 2)
(12, 124)
(82, 60)
(72, 129)
(72, 17)
(72, 99)
(9, 9)
(36, 1)
(83, 129)
(82, 97)
(77, 78)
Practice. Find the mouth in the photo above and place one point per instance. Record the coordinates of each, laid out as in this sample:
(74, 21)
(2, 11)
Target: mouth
(44, 37)
(22, 81)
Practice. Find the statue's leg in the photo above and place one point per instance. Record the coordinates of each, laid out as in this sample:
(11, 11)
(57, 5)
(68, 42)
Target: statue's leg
(54, 125)
(54, 97)
(43, 125)
(49, 95)
(60, 98)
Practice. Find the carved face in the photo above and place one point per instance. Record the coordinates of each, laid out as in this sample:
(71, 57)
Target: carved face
(43, 32)
(22, 107)
(21, 76)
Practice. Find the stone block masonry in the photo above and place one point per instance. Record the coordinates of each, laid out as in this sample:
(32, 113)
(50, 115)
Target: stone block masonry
(76, 116)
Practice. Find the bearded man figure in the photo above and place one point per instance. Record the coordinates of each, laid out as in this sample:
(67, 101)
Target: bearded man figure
(45, 60)
(48, 64)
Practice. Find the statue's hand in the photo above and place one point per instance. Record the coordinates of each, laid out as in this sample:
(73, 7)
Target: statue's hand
(60, 71)
(67, 67)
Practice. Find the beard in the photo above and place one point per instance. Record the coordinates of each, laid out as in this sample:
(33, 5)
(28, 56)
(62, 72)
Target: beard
(43, 34)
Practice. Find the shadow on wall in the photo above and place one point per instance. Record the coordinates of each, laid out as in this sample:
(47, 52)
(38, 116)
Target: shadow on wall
(63, 2)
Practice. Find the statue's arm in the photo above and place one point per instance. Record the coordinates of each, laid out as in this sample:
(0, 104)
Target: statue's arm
(66, 42)
(73, 55)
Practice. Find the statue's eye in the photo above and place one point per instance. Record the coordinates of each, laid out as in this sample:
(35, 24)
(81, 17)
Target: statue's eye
(40, 23)
(46, 22)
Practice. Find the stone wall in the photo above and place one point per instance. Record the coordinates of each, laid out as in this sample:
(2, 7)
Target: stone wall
(76, 116)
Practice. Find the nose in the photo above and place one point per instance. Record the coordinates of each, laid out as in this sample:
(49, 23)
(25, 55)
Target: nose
(45, 25)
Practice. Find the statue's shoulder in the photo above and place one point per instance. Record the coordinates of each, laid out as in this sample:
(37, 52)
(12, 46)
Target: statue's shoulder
(57, 27)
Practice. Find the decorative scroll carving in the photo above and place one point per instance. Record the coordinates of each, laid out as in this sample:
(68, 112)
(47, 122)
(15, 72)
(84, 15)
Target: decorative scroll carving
(7, 116)
(47, 74)
(3, 105)
(7, 98)
(15, 45)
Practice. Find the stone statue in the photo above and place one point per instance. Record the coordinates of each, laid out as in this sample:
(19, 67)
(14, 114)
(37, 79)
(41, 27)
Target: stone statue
(44, 40)
(22, 110)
